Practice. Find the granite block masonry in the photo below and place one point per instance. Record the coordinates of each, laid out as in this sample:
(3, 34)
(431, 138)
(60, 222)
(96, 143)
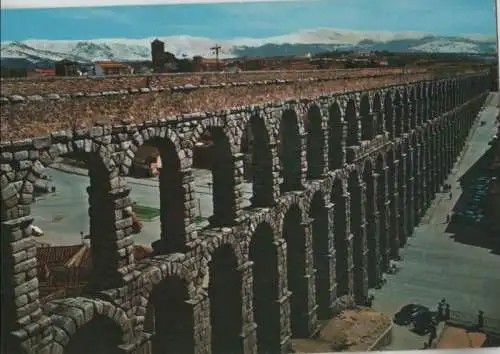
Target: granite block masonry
(333, 201)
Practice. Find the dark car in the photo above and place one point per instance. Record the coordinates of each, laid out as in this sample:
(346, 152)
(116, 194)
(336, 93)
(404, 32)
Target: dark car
(423, 322)
(408, 313)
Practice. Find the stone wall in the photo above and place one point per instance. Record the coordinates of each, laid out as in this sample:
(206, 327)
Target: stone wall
(323, 223)
(61, 85)
(25, 116)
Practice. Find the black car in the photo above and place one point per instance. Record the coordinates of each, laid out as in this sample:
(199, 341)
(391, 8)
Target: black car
(423, 322)
(408, 313)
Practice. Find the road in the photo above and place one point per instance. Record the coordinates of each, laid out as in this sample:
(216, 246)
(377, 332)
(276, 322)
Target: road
(63, 214)
(434, 265)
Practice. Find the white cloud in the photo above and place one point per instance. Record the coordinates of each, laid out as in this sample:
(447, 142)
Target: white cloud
(18, 4)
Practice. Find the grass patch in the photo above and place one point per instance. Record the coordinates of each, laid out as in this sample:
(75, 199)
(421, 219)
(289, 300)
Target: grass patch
(199, 219)
(145, 213)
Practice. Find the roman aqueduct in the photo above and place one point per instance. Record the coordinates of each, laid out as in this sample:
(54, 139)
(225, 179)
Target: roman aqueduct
(333, 202)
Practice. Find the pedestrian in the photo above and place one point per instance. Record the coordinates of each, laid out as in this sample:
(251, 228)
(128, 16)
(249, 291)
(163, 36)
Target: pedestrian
(432, 334)
(426, 345)
(447, 312)
(82, 237)
(480, 319)
(53, 188)
(447, 218)
(440, 312)
(451, 195)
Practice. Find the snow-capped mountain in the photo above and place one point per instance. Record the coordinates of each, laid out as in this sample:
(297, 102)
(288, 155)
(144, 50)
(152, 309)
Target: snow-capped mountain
(39, 52)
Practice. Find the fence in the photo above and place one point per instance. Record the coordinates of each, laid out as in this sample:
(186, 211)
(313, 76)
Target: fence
(472, 320)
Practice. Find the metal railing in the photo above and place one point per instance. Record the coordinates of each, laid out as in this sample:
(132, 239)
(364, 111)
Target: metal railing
(483, 323)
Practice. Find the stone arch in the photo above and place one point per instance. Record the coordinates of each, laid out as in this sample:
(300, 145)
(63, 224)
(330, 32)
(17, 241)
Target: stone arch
(315, 143)
(379, 113)
(355, 189)
(405, 126)
(295, 238)
(166, 142)
(401, 188)
(389, 113)
(398, 114)
(79, 321)
(367, 131)
(169, 316)
(321, 253)
(222, 167)
(372, 227)
(335, 137)
(263, 254)
(382, 199)
(262, 162)
(225, 294)
(290, 150)
(394, 207)
(412, 116)
(342, 266)
(351, 117)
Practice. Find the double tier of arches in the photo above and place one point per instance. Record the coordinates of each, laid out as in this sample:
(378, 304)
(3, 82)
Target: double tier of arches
(337, 217)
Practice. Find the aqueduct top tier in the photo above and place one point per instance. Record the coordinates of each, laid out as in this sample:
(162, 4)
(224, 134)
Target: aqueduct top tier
(340, 181)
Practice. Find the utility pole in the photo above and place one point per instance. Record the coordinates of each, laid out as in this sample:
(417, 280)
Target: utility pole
(216, 48)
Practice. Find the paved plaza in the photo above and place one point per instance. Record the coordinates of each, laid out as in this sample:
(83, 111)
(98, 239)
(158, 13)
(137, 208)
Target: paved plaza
(434, 265)
(63, 214)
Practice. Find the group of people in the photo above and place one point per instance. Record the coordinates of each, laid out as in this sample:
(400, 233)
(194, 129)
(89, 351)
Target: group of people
(443, 314)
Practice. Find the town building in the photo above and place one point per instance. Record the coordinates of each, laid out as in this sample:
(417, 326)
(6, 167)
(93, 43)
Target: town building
(162, 61)
(67, 67)
(105, 68)
(41, 72)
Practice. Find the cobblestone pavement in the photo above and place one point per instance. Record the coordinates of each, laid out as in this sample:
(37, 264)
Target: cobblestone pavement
(434, 266)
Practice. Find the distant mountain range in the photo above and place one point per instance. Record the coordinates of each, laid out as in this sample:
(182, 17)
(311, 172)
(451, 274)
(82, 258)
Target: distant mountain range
(44, 52)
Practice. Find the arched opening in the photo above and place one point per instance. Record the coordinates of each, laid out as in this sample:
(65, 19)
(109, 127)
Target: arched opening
(100, 335)
(352, 123)
(321, 254)
(342, 269)
(421, 164)
(335, 127)
(401, 198)
(382, 209)
(158, 159)
(213, 171)
(409, 202)
(398, 110)
(171, 318)
(372, 230)
(357, 229)
(265, 289)
(259, 162)
(315, 143)
(224, 291)
(388, 114)
(70, 218)
(294, 235)
(413, 109)
(365, 116)
(416, 184)
(379, 113)
(394, 207)
(406, 112)
(290, 151)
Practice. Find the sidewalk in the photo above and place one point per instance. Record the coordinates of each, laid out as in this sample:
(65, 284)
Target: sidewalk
(83, 172)
(434, 265)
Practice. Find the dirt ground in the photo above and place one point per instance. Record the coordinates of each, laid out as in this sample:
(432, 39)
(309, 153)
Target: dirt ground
(459, 338)
(353, 330)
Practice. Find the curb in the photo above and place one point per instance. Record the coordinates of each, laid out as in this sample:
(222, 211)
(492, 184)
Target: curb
(82, 172)
(383, 340)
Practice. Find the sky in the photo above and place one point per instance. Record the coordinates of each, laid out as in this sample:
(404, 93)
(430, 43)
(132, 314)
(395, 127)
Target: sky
(242, 19)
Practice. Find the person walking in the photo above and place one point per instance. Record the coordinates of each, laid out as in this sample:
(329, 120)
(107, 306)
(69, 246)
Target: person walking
(432, 334)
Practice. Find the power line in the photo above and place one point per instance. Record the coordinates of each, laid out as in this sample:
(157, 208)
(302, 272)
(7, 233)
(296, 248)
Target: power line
(216, 48)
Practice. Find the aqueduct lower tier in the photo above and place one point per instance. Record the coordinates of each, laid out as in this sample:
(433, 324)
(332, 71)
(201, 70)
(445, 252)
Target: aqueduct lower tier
(334, 199)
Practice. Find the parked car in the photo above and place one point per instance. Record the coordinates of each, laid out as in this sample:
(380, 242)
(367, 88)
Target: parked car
(408, 313)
